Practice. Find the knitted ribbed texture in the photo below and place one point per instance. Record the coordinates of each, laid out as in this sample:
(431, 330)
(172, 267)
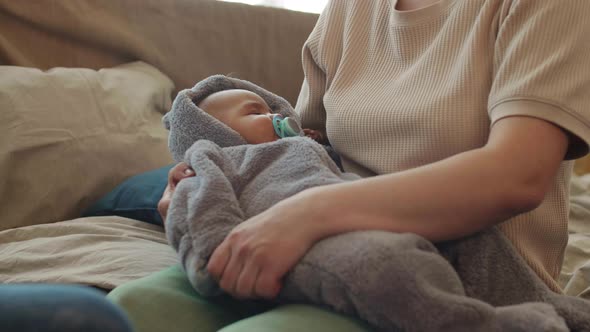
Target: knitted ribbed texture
(396, 90)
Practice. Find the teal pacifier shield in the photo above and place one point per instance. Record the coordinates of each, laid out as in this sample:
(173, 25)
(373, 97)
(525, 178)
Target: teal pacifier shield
(285, 127)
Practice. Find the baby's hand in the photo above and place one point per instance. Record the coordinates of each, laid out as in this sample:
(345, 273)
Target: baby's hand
(315, 135)
(175, 175)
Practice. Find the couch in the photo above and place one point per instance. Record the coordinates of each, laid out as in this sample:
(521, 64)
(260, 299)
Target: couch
(83, 86)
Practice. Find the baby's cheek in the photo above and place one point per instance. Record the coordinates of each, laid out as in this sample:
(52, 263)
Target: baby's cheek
(269, 128)
(265, 130)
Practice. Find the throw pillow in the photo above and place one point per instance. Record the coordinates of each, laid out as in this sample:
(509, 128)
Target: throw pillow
(69, 135)
(136, 198)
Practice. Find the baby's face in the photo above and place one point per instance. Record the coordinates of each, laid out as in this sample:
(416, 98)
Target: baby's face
(243, 111)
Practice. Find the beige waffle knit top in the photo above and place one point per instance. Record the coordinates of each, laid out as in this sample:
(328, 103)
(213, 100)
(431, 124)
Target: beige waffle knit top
(396, 90)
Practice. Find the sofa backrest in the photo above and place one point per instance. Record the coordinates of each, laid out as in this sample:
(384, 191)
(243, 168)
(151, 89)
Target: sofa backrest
(187, 40)
(70, 135)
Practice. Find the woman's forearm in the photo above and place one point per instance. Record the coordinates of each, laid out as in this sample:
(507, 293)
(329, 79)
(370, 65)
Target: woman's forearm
(449, 199)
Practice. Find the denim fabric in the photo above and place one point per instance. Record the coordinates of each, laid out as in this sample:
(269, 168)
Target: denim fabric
(58, 308)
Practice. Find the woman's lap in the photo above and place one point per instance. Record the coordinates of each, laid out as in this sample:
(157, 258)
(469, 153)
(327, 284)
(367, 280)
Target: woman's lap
(167, 301)
(63, 308)
(296, 318)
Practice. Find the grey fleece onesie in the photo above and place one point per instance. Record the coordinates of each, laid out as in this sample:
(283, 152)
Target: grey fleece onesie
(392, 281)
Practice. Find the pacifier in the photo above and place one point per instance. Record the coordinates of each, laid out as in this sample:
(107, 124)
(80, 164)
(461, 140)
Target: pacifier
(286, 127)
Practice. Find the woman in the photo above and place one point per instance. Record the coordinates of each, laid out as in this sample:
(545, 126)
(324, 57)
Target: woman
(468, 113)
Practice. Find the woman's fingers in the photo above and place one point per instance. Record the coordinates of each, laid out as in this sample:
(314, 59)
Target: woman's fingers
(164, 202)
(267, 286)
(180, 171)
(218, 261)
(232, 265)
(247, 281)
(176, 174)
(314, 134)
(230, 274)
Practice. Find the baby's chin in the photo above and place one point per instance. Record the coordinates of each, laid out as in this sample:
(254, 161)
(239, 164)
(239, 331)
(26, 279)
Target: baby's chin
(273, 139)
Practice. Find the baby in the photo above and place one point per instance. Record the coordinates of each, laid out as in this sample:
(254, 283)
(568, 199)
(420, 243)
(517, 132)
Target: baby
(248, 114)
(249, 153)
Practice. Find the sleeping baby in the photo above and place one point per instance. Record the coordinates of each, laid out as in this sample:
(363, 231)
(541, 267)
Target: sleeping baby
(249, 153)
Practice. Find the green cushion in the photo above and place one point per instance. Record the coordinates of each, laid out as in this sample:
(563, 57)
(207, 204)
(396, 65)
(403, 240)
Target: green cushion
(135, 198)
(297, 318)
(165, 301)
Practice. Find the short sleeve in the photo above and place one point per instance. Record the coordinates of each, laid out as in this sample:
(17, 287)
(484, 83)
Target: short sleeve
(542, 67)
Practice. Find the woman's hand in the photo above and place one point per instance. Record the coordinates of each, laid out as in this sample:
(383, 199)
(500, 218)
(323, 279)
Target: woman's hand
(315, 135)
(175, 175)
(254, 257)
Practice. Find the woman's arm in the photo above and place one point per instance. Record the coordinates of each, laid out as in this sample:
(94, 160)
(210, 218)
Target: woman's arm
(451, 198)
(445, 200)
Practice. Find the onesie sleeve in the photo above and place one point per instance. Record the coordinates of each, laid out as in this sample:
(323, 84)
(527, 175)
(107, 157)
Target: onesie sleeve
(542, 67)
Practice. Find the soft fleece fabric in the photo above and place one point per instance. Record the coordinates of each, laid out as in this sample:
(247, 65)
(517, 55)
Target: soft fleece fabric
(393, 281)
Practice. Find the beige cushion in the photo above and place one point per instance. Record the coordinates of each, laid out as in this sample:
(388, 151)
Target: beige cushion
(575, 273)
(68, 136)
(582, 165)
(100, 251)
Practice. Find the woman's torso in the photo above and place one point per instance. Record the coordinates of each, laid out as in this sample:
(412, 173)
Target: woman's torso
(409, 88)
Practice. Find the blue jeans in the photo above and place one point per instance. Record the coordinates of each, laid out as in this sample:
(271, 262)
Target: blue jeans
(58, 308)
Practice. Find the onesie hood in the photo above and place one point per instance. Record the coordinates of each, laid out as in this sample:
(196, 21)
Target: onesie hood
(188, 123)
